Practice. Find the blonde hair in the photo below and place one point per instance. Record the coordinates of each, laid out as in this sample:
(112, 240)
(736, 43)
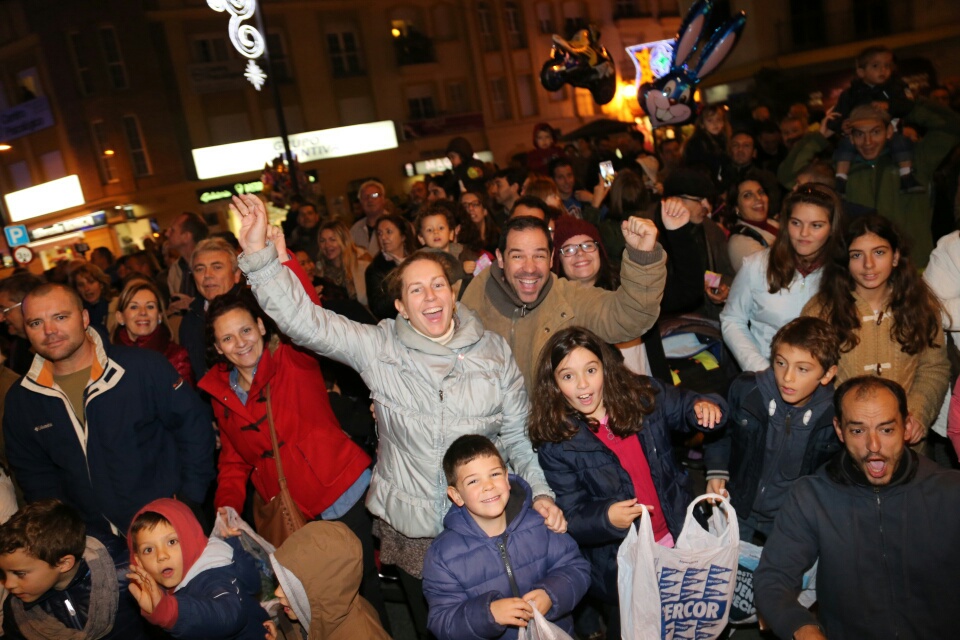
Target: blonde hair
(350, 254)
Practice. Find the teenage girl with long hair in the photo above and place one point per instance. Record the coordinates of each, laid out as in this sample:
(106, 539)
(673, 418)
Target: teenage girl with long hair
(773, 285)
(888, 318)
(603, 435)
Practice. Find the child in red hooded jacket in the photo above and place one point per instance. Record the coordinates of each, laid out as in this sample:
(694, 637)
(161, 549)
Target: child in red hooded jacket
(545, 149)
(189, 585)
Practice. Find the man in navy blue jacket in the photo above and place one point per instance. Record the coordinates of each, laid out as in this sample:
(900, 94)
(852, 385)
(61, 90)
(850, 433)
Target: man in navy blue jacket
(106, 429)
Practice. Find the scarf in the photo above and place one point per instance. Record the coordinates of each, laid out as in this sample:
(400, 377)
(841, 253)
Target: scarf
(158, 341)
(37, 624)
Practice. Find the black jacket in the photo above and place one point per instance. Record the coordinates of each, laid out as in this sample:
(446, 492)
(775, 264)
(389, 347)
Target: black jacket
(587, 478)
(737, 452)
(889, 566)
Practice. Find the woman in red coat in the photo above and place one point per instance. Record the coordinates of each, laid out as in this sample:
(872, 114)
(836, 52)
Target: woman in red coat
(327, 473)
(141, 323)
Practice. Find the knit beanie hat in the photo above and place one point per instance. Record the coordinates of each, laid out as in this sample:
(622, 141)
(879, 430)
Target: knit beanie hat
(181, 518)
(567, 227)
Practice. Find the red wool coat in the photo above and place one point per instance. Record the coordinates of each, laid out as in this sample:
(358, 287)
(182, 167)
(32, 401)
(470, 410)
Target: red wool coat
(319, 459)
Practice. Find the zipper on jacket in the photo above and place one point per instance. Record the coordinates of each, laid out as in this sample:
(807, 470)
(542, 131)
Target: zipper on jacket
(441, 395)
(883, 549)
(74, 618)
(505, 557)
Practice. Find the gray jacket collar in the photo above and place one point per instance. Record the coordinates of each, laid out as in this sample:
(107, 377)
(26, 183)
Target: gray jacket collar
(468, 331)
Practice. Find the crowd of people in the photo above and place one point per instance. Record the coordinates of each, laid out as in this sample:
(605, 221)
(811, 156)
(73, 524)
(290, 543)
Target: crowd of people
(481, 385)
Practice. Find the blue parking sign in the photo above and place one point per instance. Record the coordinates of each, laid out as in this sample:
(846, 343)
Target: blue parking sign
(16, 235)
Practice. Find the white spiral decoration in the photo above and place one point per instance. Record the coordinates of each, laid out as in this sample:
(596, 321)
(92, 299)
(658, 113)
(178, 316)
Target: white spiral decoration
(245, 38)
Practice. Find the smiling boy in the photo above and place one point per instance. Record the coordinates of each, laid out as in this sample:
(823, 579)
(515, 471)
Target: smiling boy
(780, 425)
(496, 559)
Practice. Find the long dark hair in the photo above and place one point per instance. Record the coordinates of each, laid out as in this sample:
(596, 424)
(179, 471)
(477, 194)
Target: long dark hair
(627, 397)
(916, 310)
(784, 262)
(240, 299)
(407, 232)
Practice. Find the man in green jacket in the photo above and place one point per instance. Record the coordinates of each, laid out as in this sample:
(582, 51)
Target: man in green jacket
(874, 178)
(519, 297)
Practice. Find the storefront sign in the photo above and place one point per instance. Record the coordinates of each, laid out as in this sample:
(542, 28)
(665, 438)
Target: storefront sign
(24, 119)
(227, 191)
(82, 223)
(439, 165)
(45, 198)
(249, 156)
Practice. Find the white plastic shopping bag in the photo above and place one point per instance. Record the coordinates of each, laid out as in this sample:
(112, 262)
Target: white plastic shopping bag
(539, 628)
(258, 548)
(684, 592)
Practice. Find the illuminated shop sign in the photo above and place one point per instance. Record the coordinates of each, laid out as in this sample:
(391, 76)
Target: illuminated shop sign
(439, 165)
(45, 198)
(249, 156)
(83, 223)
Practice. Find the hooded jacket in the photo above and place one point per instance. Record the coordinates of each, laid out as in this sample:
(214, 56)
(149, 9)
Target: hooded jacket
(470, 170)
(319, 568)
(887, 566)
(615, 316)
(466, 570)
(319, 459)
(147, 435)
(216, 599)
(538, 160)
(425, 394)
(738, 453)
(588, 478)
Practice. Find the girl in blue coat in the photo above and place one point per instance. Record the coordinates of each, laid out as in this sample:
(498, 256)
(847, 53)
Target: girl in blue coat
(603, 438)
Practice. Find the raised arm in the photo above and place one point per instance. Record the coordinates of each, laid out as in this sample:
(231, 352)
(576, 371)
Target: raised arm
(624, 314)
(286, 300)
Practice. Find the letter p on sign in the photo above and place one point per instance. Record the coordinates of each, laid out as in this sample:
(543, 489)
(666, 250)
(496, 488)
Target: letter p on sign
(16, 235)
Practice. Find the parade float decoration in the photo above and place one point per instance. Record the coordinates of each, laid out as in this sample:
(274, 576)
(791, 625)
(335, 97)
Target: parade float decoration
(669, 71)
(581, 62)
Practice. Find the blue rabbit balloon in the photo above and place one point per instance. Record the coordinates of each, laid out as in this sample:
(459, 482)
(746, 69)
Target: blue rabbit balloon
(669, 99)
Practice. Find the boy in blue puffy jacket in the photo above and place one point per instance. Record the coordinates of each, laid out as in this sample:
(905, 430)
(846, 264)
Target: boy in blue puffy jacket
(187, 585)
(496, 559)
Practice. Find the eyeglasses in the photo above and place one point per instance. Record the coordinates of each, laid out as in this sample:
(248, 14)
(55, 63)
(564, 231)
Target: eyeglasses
(370, 196)
(472, 205)
(4, 312)
(571, 249)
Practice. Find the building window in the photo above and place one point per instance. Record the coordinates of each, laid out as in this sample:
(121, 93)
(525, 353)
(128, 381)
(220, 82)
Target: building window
(626, 9)
(457, 97)
(344, 54)
(545, 18)
(583, 102)
(138, 152)
(206, 49)
(499, 99)
(558, 96)
(573, 18)
(105, 152)
(81, 63)
(488, 30)
(513, 20)
(113, 58)
(410, 44)
(421, 108)
(525, 94)
(28, 85)
(279, 63)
